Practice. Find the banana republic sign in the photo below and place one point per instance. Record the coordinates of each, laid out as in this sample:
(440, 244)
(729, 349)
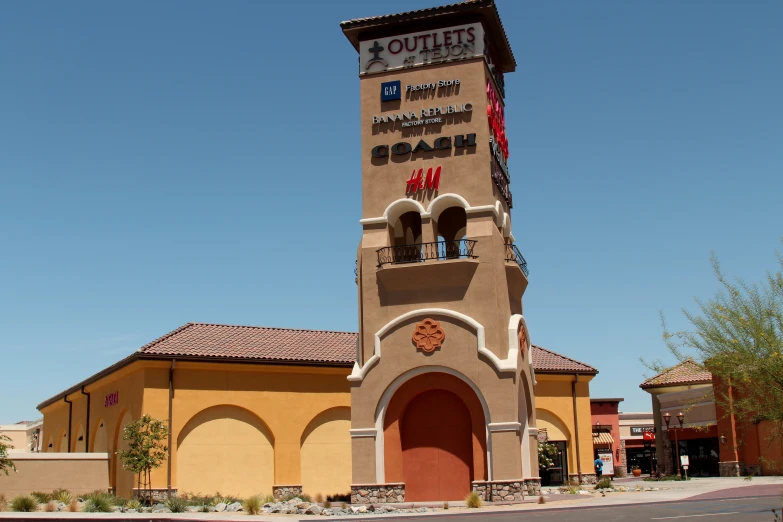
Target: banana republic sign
(424, 48)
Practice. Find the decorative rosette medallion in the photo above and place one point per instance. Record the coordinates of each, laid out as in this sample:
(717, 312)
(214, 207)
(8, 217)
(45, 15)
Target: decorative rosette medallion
(428, 336)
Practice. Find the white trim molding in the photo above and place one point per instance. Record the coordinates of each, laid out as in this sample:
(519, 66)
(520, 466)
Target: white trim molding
(363, 432)
(507, 365)
(495, 427)
(383, 404)
(439, 204)
(532, 432)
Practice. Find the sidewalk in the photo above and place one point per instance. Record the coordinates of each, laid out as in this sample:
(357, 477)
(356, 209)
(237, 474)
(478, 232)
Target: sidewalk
(694, 489)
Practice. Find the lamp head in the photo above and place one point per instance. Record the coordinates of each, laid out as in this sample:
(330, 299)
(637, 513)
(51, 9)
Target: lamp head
(667, 417)
(680, 417)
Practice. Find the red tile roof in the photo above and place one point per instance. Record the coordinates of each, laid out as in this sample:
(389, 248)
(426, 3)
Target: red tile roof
(687, 372)
(256, 343)
(547, 361)
(259, 344)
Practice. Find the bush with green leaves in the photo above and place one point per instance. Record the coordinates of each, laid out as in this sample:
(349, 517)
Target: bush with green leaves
(252, 505)
(132, 504)
(98, 505)
(176, 504)
(604, 483)
(42, 498)
(473, 500)
(62, 495)
(24, 504)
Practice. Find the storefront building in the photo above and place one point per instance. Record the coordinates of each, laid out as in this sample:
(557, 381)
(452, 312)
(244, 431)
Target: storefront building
(256, 410)
(604, 414)
(708, 438)
(441, 392)
(637, 442)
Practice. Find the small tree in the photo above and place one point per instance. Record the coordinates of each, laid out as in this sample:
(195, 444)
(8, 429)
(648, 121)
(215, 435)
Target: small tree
(146, 450)
(6, 464)
(738, 336)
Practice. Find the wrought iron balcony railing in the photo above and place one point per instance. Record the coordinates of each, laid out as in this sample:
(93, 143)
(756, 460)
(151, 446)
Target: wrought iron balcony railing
(513, 254)
(419, 252)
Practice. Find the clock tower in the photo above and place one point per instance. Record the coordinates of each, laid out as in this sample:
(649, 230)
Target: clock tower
(442, 398)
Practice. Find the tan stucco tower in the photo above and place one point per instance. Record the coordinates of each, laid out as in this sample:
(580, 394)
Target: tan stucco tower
(442, 390)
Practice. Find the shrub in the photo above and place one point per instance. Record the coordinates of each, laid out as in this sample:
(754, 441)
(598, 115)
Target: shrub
(24, 504)
(42, 498)
(133, 503)
(61, 495)
(269, 499)
(98, 502)
(445, 505)
(176, 504)
(50, 506)
(339, 497)
(327, 503)
(319, 497)
(253, 505)
(3, 503)
(541, 499)
(73, 505)
(473, 500)
(344, 506)
(604, 483)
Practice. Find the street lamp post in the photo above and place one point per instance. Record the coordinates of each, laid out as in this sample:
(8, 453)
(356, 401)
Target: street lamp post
(680, 417)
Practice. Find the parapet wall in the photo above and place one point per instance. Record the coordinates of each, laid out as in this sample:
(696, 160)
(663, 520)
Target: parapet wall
(76, 472)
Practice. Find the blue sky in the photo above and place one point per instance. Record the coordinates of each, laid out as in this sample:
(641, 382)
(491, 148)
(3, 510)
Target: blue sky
(166, 162)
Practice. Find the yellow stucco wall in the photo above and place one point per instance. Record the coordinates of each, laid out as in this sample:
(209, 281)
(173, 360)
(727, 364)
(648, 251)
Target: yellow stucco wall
(236, 428)
(555, 413)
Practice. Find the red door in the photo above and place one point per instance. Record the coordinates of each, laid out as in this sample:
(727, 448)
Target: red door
(437, 449)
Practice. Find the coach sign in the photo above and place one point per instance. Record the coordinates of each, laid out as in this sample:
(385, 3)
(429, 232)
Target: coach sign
(424, 48)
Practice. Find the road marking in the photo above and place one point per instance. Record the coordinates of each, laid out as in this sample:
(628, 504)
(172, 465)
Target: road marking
(690, 516)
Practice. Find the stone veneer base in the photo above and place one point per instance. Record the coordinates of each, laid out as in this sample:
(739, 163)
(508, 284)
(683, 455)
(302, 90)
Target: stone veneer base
(158, 494)
(377, 493)
(584, 478)
(507, 490)
(280, 492)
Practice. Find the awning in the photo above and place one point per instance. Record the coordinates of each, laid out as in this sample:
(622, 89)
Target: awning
(601, 438)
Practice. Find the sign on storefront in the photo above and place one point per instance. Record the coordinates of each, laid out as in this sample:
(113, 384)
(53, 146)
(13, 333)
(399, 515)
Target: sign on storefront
(607, 458)
(423, 48)
(639, 431)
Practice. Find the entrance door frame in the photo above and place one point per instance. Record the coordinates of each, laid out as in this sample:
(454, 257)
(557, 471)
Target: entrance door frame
(383, 405)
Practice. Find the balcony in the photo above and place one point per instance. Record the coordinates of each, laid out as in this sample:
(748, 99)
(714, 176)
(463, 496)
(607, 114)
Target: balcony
(420, 252)
(513, 254)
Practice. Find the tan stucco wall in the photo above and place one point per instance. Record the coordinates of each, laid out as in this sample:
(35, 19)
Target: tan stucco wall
(555, 413)
(18, 437)
(46, 472)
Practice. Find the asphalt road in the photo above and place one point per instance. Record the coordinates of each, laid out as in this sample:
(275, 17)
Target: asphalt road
(742, 510)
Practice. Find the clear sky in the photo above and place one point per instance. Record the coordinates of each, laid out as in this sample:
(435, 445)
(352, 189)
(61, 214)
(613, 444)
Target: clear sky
(166, 162)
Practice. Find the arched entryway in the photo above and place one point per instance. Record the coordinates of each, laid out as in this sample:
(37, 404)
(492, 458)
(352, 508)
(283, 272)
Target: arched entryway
(435, 438)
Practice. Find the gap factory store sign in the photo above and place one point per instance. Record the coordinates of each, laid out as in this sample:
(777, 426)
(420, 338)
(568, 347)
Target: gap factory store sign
(424, 48)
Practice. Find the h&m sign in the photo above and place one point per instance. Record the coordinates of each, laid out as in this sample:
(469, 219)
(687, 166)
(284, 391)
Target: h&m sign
(424, 48)
(111, 399)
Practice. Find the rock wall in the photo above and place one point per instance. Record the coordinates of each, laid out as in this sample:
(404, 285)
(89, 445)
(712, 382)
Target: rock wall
(377, 493)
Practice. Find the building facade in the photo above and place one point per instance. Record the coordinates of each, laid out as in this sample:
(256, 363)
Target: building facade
(605, 417)
(695, 425)
(637, 442)
(257, 410)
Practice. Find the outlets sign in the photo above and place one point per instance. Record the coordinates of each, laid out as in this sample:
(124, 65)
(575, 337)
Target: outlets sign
(424, 48)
